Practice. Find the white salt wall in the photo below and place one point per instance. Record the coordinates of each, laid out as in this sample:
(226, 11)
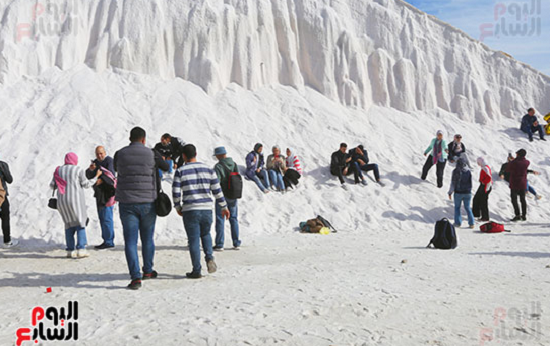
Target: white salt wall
(357, 52)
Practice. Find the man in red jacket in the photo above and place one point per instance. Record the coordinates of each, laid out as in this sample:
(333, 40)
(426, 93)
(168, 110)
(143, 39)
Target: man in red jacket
(518, 184)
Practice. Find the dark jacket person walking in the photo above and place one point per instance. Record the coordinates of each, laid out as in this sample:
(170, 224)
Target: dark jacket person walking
(137, 190)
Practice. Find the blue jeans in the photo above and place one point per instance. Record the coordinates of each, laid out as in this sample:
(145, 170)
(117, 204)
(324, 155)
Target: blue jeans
(170, 170)
(80, 238)
(258, 177)
(138, 220)
(276, 179)
(465, 198)
(530, 130)
(197, 225)
(107, 224)
(531, 189)
(220, 223)
(371, 167)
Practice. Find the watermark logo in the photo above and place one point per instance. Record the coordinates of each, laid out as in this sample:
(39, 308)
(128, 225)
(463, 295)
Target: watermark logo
(50, 324)
(49, 19)
(513, 325)
(514, 19)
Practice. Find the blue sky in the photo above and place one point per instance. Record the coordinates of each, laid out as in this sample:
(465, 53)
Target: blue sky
(470, 15)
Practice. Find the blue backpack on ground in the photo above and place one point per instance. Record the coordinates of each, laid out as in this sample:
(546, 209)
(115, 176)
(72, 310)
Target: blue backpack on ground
(445, 236)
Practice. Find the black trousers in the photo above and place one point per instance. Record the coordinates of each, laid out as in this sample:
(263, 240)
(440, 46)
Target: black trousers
(5, 216)
(291, 177)
(481, 203)
(337, 171)
(521, 194)
(440, 170)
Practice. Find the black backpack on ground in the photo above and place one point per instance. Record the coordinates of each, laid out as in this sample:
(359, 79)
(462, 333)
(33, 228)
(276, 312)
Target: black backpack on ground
(234, 187)
(445, 236)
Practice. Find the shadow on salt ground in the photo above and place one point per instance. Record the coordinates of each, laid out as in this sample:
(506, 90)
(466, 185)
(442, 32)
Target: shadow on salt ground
(399, 179)
(402, 217)
(515, 133)
(322, 175)
(515, 254)
(75, 280)
(422, 215)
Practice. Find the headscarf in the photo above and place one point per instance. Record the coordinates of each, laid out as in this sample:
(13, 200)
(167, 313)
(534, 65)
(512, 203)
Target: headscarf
(290, 161)
(462, 164)
(438, 148)
(70, 159)
(257, 147)
(484, 167)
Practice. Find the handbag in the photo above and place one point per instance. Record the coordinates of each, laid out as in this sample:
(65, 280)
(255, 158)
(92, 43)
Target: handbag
(163, 205)
(52, 203)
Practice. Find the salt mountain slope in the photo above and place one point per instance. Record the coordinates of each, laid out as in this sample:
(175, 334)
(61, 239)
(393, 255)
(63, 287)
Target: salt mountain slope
(75, 110)
(356, 52)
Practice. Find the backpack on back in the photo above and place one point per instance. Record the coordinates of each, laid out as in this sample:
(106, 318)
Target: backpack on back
(445, 236)
(492, 227)
(234, 187)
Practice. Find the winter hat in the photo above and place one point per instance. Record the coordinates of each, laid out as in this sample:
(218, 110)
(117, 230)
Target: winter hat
(439, 132)
(258, 146)
(522, 153)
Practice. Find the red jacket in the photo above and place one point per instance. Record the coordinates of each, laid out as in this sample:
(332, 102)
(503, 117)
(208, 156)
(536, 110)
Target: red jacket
(518, 173)
(485, 178)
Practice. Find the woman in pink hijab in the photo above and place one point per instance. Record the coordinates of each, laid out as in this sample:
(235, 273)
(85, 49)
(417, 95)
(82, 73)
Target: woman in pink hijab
(70, 182)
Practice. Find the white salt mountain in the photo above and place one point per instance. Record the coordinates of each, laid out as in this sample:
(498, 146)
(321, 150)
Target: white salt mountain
(304, 74)
(358, 52)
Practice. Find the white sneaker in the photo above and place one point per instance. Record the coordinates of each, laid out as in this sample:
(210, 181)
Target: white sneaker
(345, 187)
(71, 254)
(12, 243)
(82, 253)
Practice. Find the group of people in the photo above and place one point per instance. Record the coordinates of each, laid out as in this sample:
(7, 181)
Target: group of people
(355, 161)
(133, 178)
(277, 173)
(514, 172)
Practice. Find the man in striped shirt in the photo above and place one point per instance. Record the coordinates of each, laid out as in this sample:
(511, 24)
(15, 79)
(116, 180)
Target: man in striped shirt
(192, 190)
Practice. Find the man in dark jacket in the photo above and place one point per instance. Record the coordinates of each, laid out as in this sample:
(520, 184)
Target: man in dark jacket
(518, 184)
(137, 190)
(164, 147)
(104, 190)
(5, 179)
(530, 125)
(360, 162)
(173, 146)
(340, 165)
(223, 168)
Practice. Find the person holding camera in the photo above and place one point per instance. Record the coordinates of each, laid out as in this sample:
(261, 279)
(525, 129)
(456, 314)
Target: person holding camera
(104, 192)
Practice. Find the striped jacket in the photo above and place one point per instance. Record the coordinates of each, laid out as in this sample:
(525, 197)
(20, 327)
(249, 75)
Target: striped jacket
(193, 187)
(72, 205)
(292, 162)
